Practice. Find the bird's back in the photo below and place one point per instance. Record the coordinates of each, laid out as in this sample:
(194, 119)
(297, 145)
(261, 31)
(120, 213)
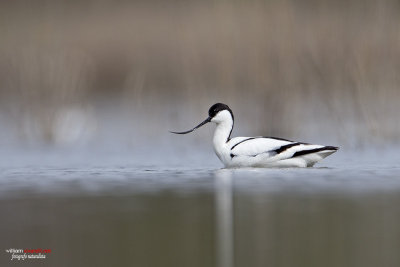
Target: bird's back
(273, 152)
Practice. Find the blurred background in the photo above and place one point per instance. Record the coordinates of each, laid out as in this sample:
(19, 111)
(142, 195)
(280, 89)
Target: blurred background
(104, 81)
(123, 73)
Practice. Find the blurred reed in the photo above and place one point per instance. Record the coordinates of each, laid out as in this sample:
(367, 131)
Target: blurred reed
(316, 69)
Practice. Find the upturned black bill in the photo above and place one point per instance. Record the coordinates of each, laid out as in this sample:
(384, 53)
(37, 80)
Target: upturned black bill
(198, 126)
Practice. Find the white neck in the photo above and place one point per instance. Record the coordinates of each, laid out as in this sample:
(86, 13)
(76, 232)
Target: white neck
(221, 136)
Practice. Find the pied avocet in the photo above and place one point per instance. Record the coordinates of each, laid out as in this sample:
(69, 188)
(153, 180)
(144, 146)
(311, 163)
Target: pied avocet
(258, 151)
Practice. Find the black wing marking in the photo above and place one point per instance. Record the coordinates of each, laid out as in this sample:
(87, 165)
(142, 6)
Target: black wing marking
(277, 138)
(283, 139)
(251, 138)
(279, 150)
(315, 150)
(267, 137)
(276, 151)
(286, 147)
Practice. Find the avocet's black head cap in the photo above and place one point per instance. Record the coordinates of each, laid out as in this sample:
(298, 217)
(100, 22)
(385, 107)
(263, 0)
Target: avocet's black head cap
(212, 112)
(217, 108)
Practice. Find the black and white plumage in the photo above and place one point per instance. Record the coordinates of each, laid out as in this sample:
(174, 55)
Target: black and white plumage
(258, 151)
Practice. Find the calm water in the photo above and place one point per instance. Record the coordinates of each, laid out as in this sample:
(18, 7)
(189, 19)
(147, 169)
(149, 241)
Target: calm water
(112, 212)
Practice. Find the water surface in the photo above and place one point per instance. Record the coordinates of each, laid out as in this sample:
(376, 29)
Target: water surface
(112, 212)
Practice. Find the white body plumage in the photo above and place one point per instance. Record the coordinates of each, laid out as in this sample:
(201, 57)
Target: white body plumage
(258, 151)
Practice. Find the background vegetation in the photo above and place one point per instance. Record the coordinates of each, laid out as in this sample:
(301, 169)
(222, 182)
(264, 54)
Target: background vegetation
(125, 72)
